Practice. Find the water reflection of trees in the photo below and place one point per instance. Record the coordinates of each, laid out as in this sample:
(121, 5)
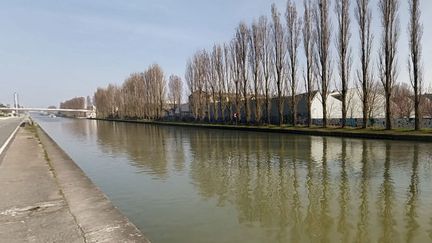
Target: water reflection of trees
(82, 129)
(295, 188)
(146, 146)
(411, 204)
(310, 188)
(386, 199)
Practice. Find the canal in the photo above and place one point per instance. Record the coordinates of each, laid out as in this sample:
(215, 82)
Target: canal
(200, 185)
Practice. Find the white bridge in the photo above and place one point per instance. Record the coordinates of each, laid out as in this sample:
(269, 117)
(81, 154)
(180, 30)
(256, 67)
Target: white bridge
(43, 109)
(16, 109)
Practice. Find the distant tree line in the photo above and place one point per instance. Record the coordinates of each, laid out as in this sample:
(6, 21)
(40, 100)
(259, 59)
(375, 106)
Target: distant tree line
(74, 103)
(142, 95)
(237, 80)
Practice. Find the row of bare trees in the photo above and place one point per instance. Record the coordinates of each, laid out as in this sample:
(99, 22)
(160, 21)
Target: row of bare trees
(142, 95)
(241, 79)
(74, 103)
(261, 62)
(249, 70)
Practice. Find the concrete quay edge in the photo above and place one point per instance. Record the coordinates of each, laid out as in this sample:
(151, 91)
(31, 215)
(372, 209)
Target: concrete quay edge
(98, 219)
(294, 131)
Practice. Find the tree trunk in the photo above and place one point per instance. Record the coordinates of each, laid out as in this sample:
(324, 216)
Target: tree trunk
(388, 111)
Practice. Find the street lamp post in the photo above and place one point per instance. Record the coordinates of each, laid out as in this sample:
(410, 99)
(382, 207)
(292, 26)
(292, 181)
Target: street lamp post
(16, 103)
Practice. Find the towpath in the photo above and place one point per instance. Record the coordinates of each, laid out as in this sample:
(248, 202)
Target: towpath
(45, 197)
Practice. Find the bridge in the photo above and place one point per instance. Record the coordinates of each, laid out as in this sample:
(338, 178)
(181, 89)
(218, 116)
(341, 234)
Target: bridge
(42, 109)
(16, 108)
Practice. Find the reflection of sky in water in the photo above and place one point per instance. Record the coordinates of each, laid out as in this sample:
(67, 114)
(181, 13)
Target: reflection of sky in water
(199, 185)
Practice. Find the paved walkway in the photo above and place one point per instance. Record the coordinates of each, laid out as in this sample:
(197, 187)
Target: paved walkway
(45, 197)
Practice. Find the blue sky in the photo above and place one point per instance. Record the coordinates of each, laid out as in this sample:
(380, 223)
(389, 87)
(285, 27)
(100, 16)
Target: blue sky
(54, 50)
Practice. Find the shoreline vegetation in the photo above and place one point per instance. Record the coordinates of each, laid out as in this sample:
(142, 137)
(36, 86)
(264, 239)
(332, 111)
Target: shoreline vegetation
(424, 135)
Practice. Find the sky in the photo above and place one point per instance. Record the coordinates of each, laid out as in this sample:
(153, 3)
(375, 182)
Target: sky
(51, 50)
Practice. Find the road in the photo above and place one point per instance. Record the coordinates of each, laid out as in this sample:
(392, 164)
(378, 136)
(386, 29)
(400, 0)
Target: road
(7, 126)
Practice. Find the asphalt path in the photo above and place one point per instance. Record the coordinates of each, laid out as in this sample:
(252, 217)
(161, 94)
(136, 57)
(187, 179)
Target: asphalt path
(7, 126)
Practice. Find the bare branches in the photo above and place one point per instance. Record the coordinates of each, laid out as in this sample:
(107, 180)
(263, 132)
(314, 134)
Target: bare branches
(294, 25)
(280, 49)
(415, 32)
(388, 62)
(255, 60)
(363, 16)
(241, 53)
(402, 103)
(218, 69)
(344, 51)
(267, 63)
(308, 45)
(323, 38)
(175, 86)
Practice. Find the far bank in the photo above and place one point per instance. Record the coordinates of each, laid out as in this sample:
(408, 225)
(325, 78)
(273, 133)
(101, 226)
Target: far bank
(406, 135)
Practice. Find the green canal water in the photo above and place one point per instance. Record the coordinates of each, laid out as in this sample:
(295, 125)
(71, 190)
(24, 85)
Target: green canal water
(200, 185)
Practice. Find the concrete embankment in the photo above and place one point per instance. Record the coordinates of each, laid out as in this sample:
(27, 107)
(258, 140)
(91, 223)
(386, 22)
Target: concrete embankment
(46, 197)
(315, 131)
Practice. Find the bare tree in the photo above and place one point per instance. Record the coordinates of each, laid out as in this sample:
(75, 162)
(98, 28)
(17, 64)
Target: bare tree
(196, 80)
(402, 103)
(205, 76)
(308, 45)
(426, 105)
(193, 87)
(157, 83)
(387, 62)
(175, 86)
(364, 75)
(218, 65)
(255, 59)
(280, 49)
(415, 31)
(323, 38)
(266, 63)
(242, 50)
(228, 80)
(235, 71)
(375, 100)
(214, 82)
(294, 25)
(342, 9)
(161, 87)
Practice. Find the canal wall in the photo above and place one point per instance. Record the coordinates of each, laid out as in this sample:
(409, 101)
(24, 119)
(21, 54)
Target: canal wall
(331, 132)
(48, 198)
